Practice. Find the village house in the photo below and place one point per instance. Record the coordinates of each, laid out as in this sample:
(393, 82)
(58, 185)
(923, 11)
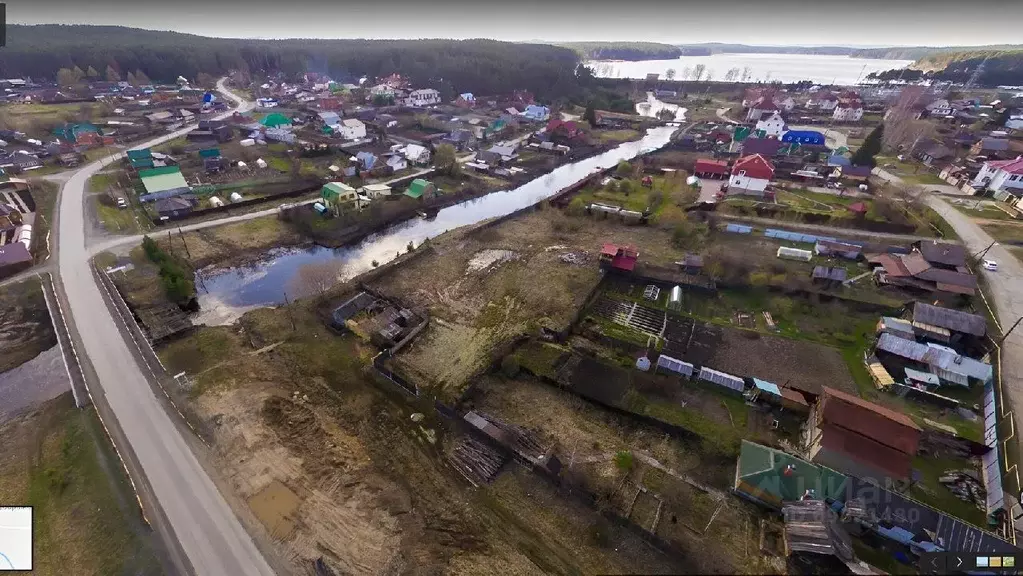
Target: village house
(1001, 176)
(705, 168)
(466, 100)
(934, 153)
(761, 107)
(1015, 120)
(417, 154)
(334, 193)
(853, 436)
(421, 189)
(461, 138)
(561, 131)
(949, 367)
(537, 113)
(422, 97)
(771, 477)
(938, 269)
(848, 112)
(991, 147)
(772, 126)
(824, 102)
(948, 326)
(750, 176)
(940, 108)
(618, 258)
(498, 154)
(352, 129)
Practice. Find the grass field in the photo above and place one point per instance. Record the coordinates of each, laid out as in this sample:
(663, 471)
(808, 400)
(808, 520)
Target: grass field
(86, 519)
(1005, 233)
(984, 210)
(45, 195)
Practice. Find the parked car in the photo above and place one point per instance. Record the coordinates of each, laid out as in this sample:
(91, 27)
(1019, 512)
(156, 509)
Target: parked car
(122, 203)
(990, 265)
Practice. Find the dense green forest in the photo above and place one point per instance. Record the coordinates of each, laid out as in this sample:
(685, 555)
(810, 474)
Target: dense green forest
(1002, 68)
(922, 52)
(481, 66)
(633, 51)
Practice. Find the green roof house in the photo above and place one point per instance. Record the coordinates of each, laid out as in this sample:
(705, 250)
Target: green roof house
(420, 188)
(164, 182)
(770, 477)
(275, 120)
(334, 192)
(140, 158)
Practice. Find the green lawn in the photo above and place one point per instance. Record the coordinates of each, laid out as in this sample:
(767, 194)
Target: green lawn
(115, 220)
(618, 135)
(984, 210)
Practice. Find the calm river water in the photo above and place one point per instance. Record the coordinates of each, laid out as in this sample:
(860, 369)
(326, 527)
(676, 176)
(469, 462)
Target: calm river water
(763, 67)
(226, 294)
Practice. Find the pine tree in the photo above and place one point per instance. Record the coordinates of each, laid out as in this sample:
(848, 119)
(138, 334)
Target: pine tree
(591, 114)
(132, 80)
(864, 155)
(91, 73)
(79, 74)
(141, 78)
(112, 75)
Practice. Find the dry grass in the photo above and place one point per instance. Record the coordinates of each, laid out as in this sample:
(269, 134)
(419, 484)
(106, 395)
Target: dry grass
(231, 243)
(86, 520)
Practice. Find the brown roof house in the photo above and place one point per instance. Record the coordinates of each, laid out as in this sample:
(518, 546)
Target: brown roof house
(860, 438)
(936, 268)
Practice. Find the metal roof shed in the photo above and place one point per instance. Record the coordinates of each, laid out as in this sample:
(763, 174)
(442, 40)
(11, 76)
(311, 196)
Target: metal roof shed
(721, 379)
(674, 365)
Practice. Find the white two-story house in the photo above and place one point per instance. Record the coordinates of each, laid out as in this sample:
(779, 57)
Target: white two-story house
(940, 108)
(848, 112)
(352, 129)
(422, 97)
(773, 126)
(1001, 177)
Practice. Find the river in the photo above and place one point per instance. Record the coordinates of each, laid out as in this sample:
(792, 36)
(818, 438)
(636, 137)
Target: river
(226, 294)
(841, 70)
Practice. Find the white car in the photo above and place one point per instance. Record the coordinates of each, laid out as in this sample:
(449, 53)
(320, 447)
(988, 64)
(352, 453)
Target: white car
(122, 203)
(990, 265)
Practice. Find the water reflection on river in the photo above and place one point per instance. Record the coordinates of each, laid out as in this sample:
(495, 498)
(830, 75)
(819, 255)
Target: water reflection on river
(226, 294)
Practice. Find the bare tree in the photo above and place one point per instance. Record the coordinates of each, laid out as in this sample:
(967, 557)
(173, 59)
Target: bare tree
(685, 73)
(669, 74)
(698, 71)
(710, 75)
(746, 73)
(315, 278)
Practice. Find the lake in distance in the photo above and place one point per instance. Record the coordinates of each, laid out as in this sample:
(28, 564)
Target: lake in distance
(763, 67)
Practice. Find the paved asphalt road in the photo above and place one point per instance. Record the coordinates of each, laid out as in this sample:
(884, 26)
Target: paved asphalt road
(1005, 287)
(204, 525)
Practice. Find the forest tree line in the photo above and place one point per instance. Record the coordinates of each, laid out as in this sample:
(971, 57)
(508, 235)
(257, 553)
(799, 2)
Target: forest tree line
(479, 66)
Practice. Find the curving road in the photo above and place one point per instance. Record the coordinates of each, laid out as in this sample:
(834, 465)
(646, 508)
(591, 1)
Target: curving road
(202, 523)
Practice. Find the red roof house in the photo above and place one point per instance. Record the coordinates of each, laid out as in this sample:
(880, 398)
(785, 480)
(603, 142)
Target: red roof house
(857, 208)
(330, 103)
(753, 166)
(712, 168)
(563, 129)
(622, 258)
(861, 438)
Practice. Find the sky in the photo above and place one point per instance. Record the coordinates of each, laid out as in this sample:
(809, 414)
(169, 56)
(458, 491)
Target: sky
(765, 22)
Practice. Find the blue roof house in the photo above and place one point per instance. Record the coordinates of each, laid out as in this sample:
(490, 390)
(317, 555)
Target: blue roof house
(811, 137)
(537, 112)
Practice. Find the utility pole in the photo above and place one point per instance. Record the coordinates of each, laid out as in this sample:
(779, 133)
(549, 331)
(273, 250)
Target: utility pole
(1006, 335)
(288, 306)
(984, 251)
(182, 234)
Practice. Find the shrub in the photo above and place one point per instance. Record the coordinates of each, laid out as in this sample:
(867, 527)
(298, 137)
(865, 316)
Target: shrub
(624, 461)
(510, 366)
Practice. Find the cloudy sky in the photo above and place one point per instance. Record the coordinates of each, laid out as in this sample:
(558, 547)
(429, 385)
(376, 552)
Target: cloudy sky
(765, 22)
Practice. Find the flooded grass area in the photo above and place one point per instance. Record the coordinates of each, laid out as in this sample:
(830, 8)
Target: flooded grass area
(86, 519)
